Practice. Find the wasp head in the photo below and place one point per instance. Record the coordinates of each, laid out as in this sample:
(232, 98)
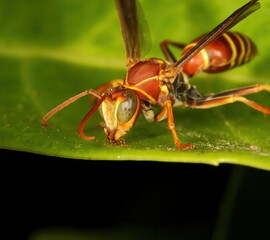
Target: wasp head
(120, 108)
(119, 111)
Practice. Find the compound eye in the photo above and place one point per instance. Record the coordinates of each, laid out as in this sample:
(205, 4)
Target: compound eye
(127, 108)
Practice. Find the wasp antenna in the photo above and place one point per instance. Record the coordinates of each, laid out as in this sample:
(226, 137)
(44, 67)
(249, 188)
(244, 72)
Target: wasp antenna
(87, 117)
(66, 103)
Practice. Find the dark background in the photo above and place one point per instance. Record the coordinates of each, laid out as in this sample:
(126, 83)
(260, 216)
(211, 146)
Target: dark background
(42, 192)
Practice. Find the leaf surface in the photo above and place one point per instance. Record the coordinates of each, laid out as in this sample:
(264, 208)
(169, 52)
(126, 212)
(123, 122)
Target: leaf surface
(54, 50)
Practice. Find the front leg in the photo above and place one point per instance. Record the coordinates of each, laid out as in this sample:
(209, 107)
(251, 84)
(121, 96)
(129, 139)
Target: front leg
(167, 112)
(104, 87)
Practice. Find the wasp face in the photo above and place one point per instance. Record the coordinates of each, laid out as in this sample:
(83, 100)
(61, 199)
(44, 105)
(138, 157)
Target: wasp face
(119, 111)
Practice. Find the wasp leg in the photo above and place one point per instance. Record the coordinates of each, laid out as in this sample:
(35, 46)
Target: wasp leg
(234, 96)
(244, 90)
(102, 88)
(167, 112)
(167, 52)
(162, 114)
(113, 83)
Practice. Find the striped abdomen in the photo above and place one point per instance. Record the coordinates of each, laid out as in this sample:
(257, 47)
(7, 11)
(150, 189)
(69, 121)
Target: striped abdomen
(228, 51)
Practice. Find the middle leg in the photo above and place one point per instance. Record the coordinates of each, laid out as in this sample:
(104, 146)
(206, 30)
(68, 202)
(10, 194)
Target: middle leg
(167, 52)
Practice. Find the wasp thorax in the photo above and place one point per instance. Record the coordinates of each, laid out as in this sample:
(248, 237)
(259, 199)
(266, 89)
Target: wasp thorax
(127, 108)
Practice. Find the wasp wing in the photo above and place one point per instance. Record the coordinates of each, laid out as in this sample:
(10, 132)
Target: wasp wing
(128, 16)
(223, 27)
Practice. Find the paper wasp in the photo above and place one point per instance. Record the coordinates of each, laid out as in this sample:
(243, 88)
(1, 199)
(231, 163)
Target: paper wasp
(165, 83)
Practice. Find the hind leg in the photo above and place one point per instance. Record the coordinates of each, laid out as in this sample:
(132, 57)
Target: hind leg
(232, 96)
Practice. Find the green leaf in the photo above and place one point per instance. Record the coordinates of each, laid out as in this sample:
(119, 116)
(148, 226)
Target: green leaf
(52, 50)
